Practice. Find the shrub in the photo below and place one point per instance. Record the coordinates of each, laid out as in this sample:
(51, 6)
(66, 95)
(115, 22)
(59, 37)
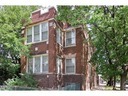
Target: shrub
(25, 80)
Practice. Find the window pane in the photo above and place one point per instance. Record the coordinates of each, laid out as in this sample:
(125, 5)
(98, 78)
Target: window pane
(37, 65)
(29, 35)
(44, 30)
(36, 33)
(70, 65)
(68, 34)
(70, 69)
(44, 27)
(30, 65)
(68, 41)
(45, 63)
(29, 31)
(73, 34)
(70, 38)
(29, 39)
(73, 40)
(44, 35)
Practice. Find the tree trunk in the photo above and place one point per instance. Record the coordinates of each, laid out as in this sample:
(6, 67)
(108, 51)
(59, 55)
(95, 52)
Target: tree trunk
(110, 82)
(114, 83)
(123, 79)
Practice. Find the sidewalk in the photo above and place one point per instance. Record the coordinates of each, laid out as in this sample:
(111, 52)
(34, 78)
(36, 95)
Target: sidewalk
(101, 87)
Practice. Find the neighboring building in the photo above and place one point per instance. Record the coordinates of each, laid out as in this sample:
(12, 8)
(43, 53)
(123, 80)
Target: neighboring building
(58, 55)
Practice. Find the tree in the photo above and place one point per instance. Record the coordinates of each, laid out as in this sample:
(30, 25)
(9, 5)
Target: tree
(108, 34)
(12, 19)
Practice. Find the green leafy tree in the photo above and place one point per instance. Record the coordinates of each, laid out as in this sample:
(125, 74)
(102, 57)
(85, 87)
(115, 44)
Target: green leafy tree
(108, 34)
(12, 19)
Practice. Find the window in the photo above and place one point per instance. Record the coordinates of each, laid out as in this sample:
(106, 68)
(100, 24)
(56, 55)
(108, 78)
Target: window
(70, 66)
(30, 65)
(29, 35)
(70, 38)
(59, 36)
(44, 30)
(44, 64)
(37, 33)
(38, 64)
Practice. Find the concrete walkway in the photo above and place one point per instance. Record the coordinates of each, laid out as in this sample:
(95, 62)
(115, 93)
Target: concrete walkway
(102, 87)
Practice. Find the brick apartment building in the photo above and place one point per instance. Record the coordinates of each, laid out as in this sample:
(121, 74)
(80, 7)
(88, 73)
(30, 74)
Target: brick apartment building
(58, 55)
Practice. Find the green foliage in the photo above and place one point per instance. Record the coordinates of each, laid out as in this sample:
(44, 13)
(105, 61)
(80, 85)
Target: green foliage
(7, 70)
(108, 34)
(26, 80)
(12, 19)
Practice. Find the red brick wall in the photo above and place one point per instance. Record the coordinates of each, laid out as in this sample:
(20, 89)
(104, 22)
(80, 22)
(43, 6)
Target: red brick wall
(76, 50)
(52, 49)
(79, 46)
(46, 80)
(55, 49)
(42, 48)
(37, 16)
(73, 79)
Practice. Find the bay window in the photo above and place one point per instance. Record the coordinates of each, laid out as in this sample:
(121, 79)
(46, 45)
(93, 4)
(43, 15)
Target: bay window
(37, 33)
(38, 64)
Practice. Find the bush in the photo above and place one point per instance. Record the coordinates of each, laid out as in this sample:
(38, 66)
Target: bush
(25, 80)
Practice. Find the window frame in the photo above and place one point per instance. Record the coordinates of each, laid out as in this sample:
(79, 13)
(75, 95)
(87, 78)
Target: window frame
(74, 66)
(26, 35)
(70, 45)
(44, 31)
(36, 33)
(41, 65)
(40, 33)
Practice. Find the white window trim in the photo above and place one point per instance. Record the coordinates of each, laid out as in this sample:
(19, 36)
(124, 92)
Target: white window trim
(47, 29)
(45, 72)
(41, 71)
(66, 37)
(74, 66)
(40, 33)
